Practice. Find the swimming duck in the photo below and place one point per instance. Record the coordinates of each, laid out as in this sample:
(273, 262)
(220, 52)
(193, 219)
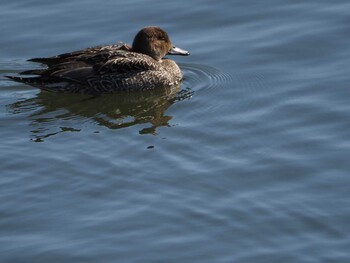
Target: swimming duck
(111, 68)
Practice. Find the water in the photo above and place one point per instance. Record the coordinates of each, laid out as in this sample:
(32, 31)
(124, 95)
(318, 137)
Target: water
(247, 162)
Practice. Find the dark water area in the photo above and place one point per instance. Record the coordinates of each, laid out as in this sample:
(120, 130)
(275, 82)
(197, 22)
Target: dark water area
(247, 161)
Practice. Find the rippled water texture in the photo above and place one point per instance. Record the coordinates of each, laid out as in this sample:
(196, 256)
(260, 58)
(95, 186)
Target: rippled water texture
(246, 161)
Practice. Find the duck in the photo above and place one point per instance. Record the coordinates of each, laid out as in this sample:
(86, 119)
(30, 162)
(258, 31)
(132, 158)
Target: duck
(110, 68)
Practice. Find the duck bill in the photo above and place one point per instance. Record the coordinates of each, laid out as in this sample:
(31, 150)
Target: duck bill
(178, 51)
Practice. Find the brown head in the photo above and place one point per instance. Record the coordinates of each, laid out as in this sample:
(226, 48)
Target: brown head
(155, 42)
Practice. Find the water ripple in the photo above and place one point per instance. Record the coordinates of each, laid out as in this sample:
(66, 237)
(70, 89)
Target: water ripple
(244, 93)
(202, 77)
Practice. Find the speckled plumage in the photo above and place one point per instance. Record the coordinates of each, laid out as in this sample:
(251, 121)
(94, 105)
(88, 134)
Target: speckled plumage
(111, 68)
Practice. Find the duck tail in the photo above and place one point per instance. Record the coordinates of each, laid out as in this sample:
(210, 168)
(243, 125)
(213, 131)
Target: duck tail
(35, 81)
(32, 72)
(44, 83)
(18, 79)
(47, 61)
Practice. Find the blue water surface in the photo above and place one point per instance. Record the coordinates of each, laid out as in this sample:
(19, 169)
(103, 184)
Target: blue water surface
(247, 162)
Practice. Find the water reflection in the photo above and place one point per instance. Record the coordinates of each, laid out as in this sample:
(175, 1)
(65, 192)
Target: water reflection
(51, 114)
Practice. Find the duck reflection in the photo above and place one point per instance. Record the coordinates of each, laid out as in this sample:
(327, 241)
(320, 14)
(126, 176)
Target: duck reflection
(52, 114)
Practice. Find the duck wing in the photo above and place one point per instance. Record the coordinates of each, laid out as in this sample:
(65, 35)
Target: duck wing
(84, 54)
(98, 64)
(122, 65)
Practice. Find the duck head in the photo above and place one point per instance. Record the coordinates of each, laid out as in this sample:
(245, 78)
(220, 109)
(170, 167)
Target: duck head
(155, 42)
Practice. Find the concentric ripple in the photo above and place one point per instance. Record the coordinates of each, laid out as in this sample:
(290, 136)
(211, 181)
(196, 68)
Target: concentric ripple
(246, 91)
(202, 77)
